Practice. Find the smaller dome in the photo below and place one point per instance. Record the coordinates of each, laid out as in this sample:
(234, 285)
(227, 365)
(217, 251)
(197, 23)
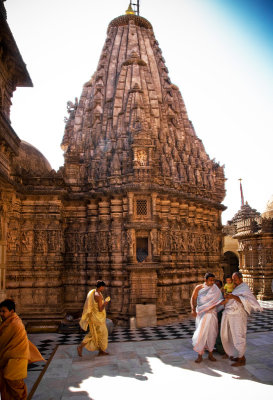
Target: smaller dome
(30, 160)
(244, 213)
(269, 209)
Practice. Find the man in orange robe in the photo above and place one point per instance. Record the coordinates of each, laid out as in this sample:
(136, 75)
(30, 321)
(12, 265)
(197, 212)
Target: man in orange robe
(16, 351)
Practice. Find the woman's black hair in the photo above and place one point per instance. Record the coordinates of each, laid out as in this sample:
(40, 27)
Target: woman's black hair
(100, 283)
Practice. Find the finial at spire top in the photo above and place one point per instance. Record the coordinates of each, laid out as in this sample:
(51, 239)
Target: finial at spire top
(133, 8)
(130, 10)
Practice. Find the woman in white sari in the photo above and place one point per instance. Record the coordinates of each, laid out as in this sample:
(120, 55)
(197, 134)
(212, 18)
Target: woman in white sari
(204, 300)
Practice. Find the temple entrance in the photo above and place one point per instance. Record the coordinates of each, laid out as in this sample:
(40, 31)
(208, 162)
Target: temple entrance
(142, 248)
(230, 263)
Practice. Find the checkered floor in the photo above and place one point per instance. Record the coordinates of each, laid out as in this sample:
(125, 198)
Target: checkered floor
(46, 342)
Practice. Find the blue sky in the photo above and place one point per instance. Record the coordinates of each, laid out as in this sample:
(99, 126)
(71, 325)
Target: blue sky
(218, 52)
(254, 16)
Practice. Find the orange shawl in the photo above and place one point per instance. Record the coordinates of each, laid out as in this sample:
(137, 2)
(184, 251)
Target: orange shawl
(14, 342)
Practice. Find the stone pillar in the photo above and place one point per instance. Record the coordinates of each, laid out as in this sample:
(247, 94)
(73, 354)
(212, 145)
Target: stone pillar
(268, 271)
(154, 203)
(154, 243)
(116, 234)
(174, 208)
(165, 211)
(130, 205)
(240, 252)
(2, 270)
(131, 238)
(103, 240)
(91, 243)
(262, 269)
(117, 276)
(3, 258)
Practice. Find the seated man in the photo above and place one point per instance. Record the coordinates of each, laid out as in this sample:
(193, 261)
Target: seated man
(204, 300)
(16, 351)
(238, 305)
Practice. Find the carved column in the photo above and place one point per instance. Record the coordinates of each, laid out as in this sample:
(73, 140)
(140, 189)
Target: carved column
(116, 237)
(165, 232)
(268, 271)
(131, 239)
(103, 259)
(154, 242)
(5, 211)
(3, 248)
(154, 203)
(130, 205)
(92, 243)
(118, 276)
(174, 221)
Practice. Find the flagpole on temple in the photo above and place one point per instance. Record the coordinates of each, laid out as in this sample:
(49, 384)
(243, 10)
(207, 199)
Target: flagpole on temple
(241, 190)
(136, 5)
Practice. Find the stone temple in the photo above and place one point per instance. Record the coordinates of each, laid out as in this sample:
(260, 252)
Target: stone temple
(249, 241)
(137, 202)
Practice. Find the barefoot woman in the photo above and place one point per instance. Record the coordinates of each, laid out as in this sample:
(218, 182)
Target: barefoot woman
(94, 316)
(204, 300)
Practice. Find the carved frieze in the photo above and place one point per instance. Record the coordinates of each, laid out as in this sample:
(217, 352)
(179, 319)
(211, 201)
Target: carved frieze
(137, 191)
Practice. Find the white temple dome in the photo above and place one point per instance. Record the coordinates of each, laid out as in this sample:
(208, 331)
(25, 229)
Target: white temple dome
(269, 209)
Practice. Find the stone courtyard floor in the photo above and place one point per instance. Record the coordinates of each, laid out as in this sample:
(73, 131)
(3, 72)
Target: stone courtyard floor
(141, 368)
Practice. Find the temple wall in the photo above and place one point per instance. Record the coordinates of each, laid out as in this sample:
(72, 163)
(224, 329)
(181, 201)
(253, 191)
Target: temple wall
(35, 256)
(101, 239)
(230, 244)
(256, 263)
(57, 249)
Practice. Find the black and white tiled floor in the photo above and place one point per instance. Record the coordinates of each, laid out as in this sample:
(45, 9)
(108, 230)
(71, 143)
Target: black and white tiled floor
(46, 342)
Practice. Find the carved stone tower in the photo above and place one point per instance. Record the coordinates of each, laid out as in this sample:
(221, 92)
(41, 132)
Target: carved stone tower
(137, 203)
(143, 203)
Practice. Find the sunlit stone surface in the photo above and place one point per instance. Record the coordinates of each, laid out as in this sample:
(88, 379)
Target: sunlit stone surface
(137, 203)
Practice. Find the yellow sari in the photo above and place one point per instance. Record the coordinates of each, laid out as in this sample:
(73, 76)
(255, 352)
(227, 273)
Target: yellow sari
(97, 337)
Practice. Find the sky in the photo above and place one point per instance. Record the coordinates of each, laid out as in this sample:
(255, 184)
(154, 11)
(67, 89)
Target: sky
(218, 52)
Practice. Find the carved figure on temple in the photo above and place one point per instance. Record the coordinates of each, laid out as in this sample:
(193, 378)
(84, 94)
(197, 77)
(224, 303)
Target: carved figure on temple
(132, 189)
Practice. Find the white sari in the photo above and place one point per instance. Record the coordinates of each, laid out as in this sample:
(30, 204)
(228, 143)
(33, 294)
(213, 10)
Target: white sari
(206, 321)
(234, 320)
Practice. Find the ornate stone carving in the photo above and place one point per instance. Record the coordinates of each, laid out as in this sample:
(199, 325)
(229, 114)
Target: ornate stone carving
(137, 202)
(26, 241)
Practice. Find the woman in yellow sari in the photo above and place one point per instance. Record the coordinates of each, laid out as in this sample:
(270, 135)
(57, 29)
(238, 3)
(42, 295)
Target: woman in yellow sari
(94, 316)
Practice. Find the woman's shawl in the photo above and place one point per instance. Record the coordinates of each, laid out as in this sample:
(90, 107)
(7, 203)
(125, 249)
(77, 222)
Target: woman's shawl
(14, 342)
(208, 297)
(87, 310)
(247, 298)
(91, 313)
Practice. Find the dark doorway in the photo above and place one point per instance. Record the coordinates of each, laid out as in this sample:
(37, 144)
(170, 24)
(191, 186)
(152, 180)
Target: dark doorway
(230, 264)
(141, 249)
